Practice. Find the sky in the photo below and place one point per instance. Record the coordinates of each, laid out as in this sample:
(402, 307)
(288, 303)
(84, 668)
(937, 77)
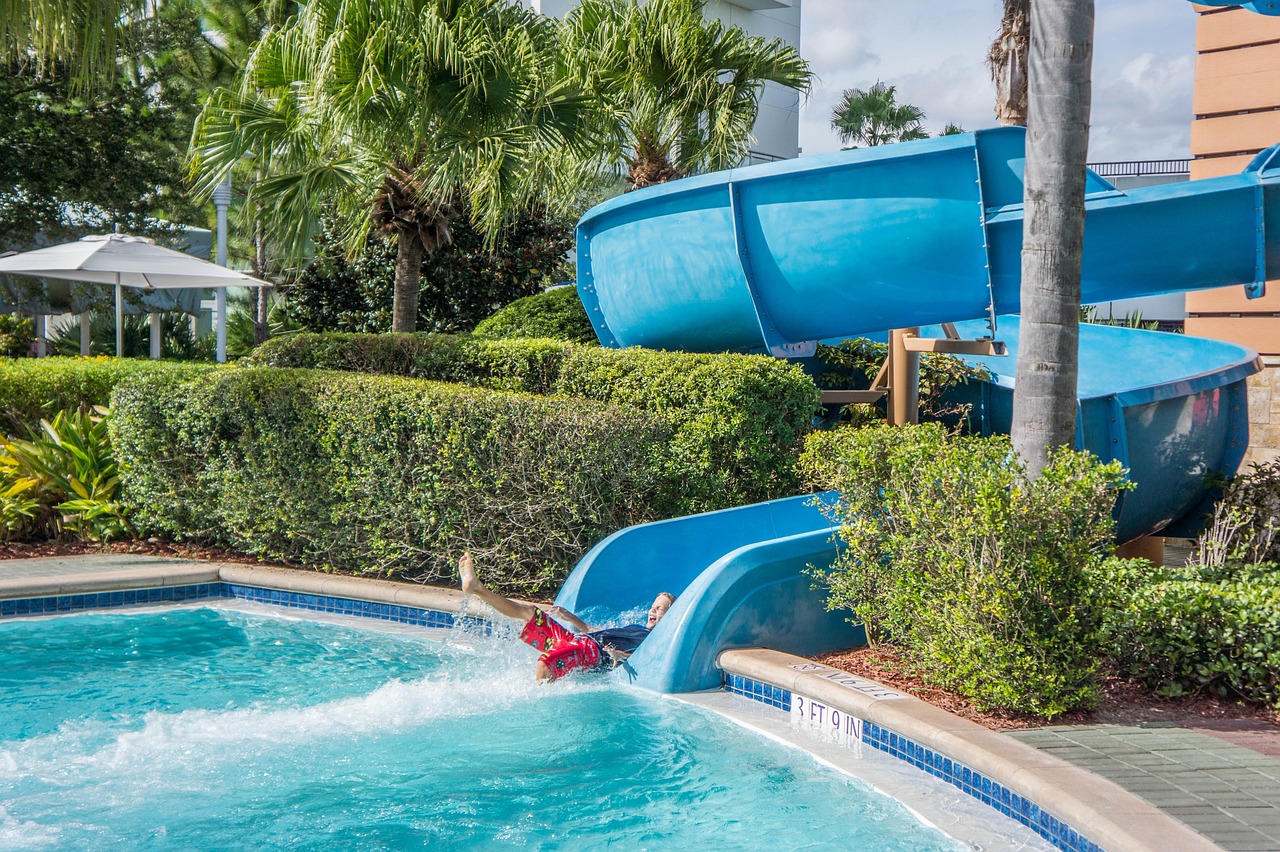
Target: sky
(934, 53)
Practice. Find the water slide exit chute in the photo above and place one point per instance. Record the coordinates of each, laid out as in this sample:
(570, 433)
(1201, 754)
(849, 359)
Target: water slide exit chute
(775, 258)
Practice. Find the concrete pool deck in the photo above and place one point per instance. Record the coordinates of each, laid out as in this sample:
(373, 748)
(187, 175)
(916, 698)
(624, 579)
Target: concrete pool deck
(1228, 794)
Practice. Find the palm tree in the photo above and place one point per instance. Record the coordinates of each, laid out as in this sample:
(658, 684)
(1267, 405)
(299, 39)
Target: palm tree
(85, 37)
(1044, 405)
(681, 92)
(874, 117)
(1007, 61)
(391, 112)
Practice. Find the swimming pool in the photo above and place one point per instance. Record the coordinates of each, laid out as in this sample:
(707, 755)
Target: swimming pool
(217, 725)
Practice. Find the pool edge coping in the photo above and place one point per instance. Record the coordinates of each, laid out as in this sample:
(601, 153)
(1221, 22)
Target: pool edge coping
(1109, 815)
(1114, 818)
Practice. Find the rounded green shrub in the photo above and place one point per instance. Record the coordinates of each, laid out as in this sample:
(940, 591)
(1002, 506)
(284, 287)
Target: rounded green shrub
(557, 314)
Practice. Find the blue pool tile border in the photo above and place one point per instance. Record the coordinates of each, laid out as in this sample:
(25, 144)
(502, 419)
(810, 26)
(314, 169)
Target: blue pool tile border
(55, 604)
(955, 773)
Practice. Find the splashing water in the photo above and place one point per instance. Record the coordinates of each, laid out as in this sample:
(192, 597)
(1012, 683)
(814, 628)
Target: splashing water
(213, 726)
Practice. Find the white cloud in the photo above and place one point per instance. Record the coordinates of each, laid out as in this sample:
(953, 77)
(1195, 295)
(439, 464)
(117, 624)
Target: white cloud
(934, 53)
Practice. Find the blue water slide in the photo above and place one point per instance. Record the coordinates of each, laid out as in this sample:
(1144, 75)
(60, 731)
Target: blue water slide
(778, 257)
(1173, 409)
(775, 258)
(739, 576)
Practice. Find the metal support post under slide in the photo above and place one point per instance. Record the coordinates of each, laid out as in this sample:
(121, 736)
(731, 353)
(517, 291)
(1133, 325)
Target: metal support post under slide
(904, 378)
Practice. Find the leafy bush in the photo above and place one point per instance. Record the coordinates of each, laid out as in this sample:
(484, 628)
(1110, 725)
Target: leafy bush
(1246, 520)
(980, 578)
(63, 479)
(382, 474)
(1198, 630)
(33, 389)
(556, 313)
(735, 421)
(16, 335)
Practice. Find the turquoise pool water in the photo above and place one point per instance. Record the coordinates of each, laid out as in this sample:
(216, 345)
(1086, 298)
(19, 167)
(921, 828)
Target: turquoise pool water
(220, 727)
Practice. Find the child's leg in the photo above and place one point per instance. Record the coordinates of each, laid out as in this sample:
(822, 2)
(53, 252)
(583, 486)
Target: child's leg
(471, 585)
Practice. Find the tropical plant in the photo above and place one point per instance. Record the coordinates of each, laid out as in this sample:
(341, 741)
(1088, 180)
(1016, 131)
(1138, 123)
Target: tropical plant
(396, 112)
(177, 340)
(63, 479)
(1044, 405)
(1089, 314)
(681, 92)
(86, 37)
(1007, 61)
(874, 117)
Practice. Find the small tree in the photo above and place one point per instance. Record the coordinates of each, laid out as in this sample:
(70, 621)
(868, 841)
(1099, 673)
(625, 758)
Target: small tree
(680, 93)
(874, 117)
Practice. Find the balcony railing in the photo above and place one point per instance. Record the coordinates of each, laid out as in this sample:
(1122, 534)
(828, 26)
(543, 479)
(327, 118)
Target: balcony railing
(1135, 168)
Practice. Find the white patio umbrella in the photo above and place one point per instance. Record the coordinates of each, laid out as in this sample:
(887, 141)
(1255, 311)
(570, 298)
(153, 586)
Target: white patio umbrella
(129, 262)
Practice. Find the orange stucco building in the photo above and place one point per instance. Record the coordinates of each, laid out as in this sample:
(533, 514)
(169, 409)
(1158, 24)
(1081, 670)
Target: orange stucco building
(1237, 114)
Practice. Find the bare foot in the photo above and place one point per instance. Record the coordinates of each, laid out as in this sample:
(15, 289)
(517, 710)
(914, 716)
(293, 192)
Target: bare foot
(467, 571)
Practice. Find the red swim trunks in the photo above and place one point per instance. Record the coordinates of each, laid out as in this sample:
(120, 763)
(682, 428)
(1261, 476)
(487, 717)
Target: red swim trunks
(562, 651)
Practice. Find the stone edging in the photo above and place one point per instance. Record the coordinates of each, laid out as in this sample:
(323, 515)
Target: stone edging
(1109, 815)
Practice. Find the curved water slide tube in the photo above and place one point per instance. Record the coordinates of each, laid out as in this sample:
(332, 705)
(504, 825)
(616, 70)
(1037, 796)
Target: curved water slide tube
(778, 257)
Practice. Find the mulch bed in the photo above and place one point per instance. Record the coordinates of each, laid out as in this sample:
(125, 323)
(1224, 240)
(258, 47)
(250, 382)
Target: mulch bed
(1122, 702)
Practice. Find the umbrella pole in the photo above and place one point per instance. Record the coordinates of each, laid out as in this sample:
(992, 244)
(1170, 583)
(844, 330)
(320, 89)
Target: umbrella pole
(220, 301)
(119, 318)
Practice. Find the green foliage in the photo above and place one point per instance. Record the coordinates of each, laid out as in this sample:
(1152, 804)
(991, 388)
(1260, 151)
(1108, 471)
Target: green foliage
(33, 389)
(854, 363)
(556, 313)
(735, 420)
(382, 474)
(980, 578)
(63, 479)
(78, 162)
(1246, 520)
(16, 335)
(1198, 629)
(462, 283)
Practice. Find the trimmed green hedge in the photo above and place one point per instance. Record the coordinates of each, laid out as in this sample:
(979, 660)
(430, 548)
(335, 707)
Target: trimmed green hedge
(736, 420)
(36, 388)
(382, 474)
(1198, 630)
(556, 313)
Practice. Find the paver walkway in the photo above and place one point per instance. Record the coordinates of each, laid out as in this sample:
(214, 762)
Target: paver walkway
(1228, 793)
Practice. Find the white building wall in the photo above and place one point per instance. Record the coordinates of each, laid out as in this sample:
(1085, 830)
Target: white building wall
(777, 128)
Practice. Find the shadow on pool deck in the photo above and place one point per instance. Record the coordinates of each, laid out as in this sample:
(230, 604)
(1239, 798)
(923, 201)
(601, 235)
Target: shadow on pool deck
(1223, 779)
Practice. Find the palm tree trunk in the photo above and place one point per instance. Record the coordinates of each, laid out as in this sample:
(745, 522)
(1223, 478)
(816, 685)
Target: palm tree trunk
(1044, 403)
(404, 312)
(261, 328)
(1007, 60)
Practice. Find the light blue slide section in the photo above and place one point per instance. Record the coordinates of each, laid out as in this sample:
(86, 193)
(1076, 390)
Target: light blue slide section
(775, 258)
(739, 576)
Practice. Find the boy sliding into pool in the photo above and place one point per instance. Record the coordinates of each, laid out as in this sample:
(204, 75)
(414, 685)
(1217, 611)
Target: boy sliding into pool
(563, 650)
